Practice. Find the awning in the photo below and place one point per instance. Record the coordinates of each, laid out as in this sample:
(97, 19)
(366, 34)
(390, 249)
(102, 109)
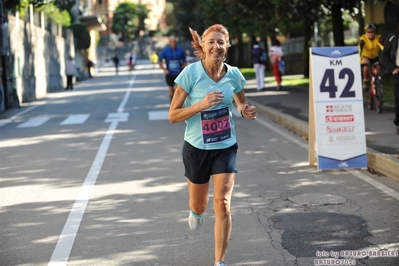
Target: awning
(93, 22)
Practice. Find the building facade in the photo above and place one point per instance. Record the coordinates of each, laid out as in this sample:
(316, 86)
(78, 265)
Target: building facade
(105, 9)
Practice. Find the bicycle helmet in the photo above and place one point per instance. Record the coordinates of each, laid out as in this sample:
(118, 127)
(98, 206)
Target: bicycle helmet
(369, 27)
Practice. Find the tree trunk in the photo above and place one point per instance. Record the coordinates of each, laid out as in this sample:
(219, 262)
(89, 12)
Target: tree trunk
(307, 44)
(360, 18)
(240, 61)
(338, 26)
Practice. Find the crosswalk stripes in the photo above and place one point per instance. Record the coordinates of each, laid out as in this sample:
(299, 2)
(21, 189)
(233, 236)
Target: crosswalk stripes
(35, 122)
(75, 119)
(70, 120)
(158, 115)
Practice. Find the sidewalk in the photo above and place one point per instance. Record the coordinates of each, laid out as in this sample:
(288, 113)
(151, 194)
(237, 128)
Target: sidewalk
(290, 108)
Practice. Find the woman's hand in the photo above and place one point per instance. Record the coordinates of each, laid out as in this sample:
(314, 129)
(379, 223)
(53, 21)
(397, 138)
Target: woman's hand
(249, 111)
(212, 98)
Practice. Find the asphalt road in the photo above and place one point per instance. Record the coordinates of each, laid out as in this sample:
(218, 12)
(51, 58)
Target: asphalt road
(94, 177)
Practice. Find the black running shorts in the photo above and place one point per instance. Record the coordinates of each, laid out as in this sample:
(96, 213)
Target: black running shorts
(199, 164)
(170, 79)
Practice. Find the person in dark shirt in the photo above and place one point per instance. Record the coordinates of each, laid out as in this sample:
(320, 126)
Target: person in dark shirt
(389, 58)
(175, 61)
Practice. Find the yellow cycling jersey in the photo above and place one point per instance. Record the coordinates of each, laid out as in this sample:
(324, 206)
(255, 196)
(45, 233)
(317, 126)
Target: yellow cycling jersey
(371, 47)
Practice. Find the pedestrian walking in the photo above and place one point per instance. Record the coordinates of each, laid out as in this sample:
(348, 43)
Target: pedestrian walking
(390, 60)
(115, 59)
(259, 59)
(276, 54)
(131, 61)
(89, 66)
(70, 71)
(175, 60)
(204, 100)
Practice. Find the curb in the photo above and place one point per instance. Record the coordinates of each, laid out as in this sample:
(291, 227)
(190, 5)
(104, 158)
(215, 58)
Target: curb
(378, 162)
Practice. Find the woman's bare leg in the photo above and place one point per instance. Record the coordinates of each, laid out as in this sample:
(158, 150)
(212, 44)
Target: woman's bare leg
(223, 188)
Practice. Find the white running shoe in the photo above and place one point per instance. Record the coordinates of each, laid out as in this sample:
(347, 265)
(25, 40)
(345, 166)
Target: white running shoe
(220, 263)
(195, 220)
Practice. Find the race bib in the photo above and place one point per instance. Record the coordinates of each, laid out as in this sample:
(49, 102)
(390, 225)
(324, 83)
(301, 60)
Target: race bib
(215, 125)
(174, 65)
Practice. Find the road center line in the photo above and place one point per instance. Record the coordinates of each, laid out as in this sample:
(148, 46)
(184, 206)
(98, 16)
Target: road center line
(65, 242)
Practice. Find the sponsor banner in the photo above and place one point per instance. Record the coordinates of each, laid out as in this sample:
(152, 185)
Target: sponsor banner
(338, 102)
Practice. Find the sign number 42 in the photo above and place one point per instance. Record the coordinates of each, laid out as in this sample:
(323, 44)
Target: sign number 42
(328, 83)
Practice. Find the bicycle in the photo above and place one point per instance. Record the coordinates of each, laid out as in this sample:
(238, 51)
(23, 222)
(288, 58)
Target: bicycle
(375, 92)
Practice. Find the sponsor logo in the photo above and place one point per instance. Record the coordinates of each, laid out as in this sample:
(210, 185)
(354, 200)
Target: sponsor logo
(341, 129)
(339, 108)
(343, 164)
(339, 118)
(342, 139)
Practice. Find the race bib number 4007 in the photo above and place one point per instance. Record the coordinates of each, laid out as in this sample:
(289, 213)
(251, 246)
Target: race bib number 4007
(215, 125)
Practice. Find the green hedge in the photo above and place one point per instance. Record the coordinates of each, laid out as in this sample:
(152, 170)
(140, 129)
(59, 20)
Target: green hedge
(81, 35)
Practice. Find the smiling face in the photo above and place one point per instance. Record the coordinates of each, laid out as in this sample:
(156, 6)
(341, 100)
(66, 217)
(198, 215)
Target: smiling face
(215, 46)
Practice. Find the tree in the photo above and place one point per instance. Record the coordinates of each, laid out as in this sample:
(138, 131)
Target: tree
(13, 5)
(54, 13)
(269, 18)
(81, 36)
(249, 17)
(57, 10)
(181, 14)
(337, 8)
(128, 20)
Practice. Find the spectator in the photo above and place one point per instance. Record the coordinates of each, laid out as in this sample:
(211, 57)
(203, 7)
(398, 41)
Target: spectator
(115, 59)
(131, 61)
(89, 65)
(259, 59)
(390, 60)
(276, 54)
(70, 71)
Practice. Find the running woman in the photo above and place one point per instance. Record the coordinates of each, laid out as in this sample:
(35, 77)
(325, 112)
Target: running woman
(204, 100)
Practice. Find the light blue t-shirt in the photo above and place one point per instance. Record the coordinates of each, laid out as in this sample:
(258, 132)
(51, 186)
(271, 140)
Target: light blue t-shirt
(213, 128)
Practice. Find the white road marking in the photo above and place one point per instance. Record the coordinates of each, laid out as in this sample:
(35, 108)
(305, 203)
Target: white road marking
(158, 115)
(65, 242)
(75, 119)
(28, 109)
(375, 183)
(35, 122)
(120, 117)
(304, 145)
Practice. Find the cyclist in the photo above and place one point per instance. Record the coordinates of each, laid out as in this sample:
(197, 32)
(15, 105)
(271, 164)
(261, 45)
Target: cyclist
(370, 45)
